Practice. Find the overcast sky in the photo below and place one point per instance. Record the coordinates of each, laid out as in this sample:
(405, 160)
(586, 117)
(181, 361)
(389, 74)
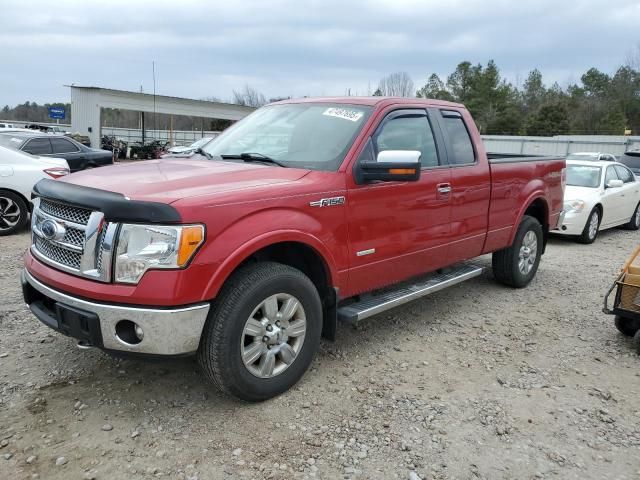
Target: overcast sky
(295, 48)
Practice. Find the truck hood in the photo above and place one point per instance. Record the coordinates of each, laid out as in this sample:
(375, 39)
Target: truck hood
(168, 180)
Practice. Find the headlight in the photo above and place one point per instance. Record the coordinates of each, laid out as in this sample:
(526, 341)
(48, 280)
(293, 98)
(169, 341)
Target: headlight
(573, 205)
(146, 247)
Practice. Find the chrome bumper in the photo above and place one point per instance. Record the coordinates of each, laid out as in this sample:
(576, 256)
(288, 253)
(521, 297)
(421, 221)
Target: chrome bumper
(166, 331)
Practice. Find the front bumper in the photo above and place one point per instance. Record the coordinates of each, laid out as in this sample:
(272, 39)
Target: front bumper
(573, 222)
(167, 331)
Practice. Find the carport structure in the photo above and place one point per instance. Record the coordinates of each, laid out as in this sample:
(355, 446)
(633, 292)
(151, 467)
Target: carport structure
(88, 102)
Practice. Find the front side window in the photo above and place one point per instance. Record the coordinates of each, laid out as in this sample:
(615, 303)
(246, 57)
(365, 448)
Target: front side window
(407, 131)
(624, 174)
(38, 146)
(62, 145)
(316, 136)
(583, 176)
(610, 175)
(459, 139)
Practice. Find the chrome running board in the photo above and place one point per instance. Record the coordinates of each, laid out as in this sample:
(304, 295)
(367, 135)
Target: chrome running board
(374, 303)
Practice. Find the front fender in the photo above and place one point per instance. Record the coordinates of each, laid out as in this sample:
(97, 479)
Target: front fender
(255, 232)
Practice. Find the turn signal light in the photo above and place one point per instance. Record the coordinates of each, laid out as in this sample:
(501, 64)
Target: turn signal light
(402, 171)
(190, 240)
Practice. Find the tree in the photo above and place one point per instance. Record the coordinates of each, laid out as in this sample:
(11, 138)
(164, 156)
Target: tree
(534, 91)
(377, 93)
(549, 120)
(397, 84)
(434, 88)
(249, 97)
(459, 82)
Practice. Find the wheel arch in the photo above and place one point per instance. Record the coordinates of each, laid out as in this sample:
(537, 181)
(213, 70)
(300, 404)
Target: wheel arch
(297, 250)
(15, 192)
(536, 206)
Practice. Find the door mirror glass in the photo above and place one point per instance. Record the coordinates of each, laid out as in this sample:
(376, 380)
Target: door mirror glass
(615, 183)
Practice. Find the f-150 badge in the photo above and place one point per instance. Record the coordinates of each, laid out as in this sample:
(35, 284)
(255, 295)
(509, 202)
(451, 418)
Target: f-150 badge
(328, 202)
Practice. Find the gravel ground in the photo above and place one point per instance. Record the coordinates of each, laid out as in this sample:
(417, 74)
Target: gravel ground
(478, 381)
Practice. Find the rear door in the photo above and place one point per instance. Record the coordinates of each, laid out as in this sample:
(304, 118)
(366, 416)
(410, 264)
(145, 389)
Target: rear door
(65, 148)
(631, 194)
(612, 200)
(400, 229)
(470, 186)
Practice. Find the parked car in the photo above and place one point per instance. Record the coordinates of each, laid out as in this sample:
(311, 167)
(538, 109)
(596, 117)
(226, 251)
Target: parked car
(247, 254)
(187, 150)
(599, 195)
(592, 156)
(631, 159)
(6, 125)
(77, 155)
(19, 172)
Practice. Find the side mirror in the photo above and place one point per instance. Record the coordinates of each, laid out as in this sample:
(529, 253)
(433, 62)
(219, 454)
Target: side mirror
(391, 165)
(615, 183)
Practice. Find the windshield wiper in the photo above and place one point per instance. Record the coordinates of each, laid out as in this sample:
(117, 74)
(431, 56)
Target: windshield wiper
(206, 155)
(253, 157)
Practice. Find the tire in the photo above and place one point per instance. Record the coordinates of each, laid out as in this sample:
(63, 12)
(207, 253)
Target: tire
(626, 326)
(634, 223)
(588, 235)
(507, 262)
(13, 213)
(636, 341)
(226, 343)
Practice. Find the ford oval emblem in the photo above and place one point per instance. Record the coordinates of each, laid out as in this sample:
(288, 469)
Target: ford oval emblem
(52, 230)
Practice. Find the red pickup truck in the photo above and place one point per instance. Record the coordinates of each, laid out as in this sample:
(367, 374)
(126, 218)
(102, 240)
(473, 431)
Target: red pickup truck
(302, 214)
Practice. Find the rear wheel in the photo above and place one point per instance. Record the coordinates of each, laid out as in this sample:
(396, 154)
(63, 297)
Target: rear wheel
(262, 332)
(517, 265)
(590, 231)
(634, 223)
(626, 326)
(636, 341)
(13, 213)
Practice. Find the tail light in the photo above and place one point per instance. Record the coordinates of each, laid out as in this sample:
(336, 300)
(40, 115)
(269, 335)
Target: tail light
(56, 172)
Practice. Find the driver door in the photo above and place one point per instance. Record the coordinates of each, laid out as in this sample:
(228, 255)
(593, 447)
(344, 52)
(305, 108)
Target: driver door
(400, 229)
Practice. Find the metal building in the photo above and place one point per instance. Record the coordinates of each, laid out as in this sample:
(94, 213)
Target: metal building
(87, 103)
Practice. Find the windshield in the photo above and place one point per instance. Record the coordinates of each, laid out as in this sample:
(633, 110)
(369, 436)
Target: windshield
(200, 143)
(631, 160)
(583, 176)
(583, 156)
(306, 135)
(9, 141)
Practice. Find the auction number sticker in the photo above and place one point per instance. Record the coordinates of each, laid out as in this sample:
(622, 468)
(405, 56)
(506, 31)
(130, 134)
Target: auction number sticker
(344, 113)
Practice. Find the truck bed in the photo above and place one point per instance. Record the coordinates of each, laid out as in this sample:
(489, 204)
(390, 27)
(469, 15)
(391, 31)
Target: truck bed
(518, 157)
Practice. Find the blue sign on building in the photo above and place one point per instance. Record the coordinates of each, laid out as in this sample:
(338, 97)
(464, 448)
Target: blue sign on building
(56, 112)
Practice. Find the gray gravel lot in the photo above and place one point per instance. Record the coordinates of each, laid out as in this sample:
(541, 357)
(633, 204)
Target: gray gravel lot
(478, 381)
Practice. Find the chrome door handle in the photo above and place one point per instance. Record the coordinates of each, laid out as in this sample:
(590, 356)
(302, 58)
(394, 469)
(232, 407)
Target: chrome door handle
(444, 189)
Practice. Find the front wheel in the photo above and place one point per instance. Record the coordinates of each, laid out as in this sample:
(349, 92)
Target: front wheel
(590, 231)
(516, 265)
(626, 326)
(262, 332)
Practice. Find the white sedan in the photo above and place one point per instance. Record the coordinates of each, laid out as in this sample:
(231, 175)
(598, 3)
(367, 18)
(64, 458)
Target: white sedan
(599, 195)
(19, 172)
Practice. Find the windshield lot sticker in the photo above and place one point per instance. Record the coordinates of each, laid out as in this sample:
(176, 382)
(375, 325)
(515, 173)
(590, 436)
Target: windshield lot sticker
(352, 115)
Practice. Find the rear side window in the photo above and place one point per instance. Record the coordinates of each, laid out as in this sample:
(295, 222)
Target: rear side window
(462, 148)
(624, 174)
(38, 146)
(62, 145)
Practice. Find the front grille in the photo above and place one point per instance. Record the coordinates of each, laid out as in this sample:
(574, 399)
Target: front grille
(66, 212)
(58, 254)
(73, 236)
(81, 240)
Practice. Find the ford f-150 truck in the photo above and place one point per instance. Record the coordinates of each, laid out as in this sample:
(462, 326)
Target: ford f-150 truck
(302, 214)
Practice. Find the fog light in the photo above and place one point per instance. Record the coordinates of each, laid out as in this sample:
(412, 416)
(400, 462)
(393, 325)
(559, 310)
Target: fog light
(139, 332)
(128, 332)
